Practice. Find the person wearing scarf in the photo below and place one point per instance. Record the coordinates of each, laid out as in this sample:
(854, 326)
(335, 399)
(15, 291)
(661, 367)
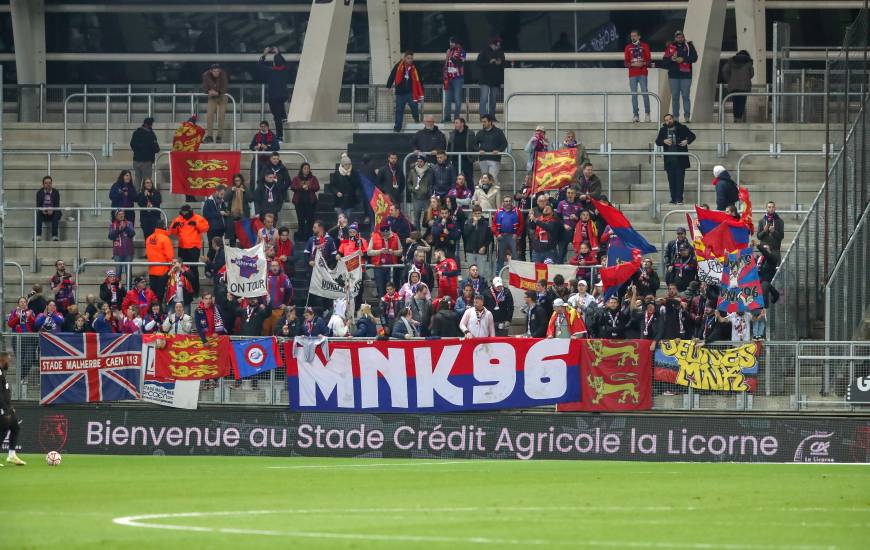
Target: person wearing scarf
(477, 321)
(409, 88)
(453, 76)
(312, 325)
(537, 143)
(207, 317)
(111, 291)
(614, 322)
(131, 323)
(477, 282)
(466, 299)
(646, 279)
(179, 289)
(565, 322)
(178, 322)
(153, 320)
(405, 327)
(141, 296)
(268, 234)
(344, 184)
(771, 228)
(500, 302)
(391, 303)
(305, 187)
(637, 59)
(49, 320)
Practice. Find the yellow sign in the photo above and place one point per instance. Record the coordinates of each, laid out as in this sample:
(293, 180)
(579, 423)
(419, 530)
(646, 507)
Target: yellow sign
(689, 363)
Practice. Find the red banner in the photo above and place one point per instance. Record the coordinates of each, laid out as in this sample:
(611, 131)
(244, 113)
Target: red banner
(188, 136)
(188, 358)
(380, 204)
(554, 169)
(199, 172)
(615, 375)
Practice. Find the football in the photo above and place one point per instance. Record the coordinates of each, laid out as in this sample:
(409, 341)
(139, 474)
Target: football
(53, 458)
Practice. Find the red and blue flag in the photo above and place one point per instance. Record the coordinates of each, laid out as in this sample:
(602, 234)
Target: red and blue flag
(741, 286)
(622, 228)
(722, 233)
(252, 357)
(246, 231)
(89, 368)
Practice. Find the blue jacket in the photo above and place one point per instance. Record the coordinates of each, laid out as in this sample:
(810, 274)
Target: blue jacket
(211, 211)
(316, 327)
(507, 222)
(101, 325)
(399, 329)
(119, 200)
(443, 178)
(365, 328)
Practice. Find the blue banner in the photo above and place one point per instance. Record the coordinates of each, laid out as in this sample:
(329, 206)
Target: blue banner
(252, 357)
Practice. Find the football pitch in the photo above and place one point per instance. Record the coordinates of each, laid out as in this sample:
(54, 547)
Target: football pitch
(256, 502)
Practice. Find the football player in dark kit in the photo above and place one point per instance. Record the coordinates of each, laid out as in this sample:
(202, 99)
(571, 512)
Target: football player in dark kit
(8, 418)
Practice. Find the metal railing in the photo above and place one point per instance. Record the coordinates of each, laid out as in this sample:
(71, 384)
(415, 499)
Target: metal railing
(49, 154)
(107, 146)
(10, 263)
(792, 377)
(794, 154)
(605, 145)
(128, 272)
(847, 292)
(166, 154)
(78, 219)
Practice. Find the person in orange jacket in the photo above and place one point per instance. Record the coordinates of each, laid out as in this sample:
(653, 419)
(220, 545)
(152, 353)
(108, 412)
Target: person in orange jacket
(566, 322)
(189, 227)
(158, 248)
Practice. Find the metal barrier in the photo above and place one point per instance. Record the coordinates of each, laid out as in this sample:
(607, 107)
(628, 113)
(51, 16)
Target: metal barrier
(794, 154)
(65, 154)
(78, 210)
(406, 166)
(605, 145)
(653, 208)
(107, 147)
(81, 267)
(17, 265)
(775, 146)
(791, 378)
(282, 153)
(162, 154)
(847, 292)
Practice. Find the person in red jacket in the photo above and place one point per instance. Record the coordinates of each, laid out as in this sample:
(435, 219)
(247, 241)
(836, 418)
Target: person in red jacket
(189, 228)
(637, 59)
(21, 319)
(284, 251)
(447, 272)
(140, 296)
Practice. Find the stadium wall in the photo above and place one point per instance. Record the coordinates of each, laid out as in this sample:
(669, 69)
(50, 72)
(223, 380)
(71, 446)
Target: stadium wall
(136, 430)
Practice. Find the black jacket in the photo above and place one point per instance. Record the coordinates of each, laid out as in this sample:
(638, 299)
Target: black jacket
(648, 285)
(261, 197)
(211, 211)
(726, 191)
(773, 233)
(672, 250)
(639, 329)
(276, 76)
(5, 396)
(144, 145)
(292, 327)
(768, 267)
(536, 321)
(347, 186)
(55, 198)
(445, 323)
(491, 74)
(384, 182)
(254, 326)
(426, 140)
(149, 216)
(688, 52)
(678, 134)
(490, 140)
(613, 324)
(502, 312)
(475, 237)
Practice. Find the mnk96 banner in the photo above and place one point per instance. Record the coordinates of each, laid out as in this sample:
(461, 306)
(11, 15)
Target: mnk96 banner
(199, 172)
(423, 376)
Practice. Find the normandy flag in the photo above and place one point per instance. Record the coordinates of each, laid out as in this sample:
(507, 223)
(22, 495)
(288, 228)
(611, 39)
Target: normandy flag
(188, 136)
(554, 169)
(199, 172)
(378, 201)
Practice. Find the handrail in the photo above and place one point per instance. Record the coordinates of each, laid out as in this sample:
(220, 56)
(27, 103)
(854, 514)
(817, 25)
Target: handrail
(856, 235)
(775, 146)
(282, 153)
(556, 100)
(162, 154)
(81, 267)
(78, 210)
(10, 263)
(655, 152)
(459, 154)
(794, 154)
(50, 153)
(107, 147)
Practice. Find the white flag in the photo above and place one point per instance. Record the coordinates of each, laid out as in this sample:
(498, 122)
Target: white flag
(345, 279)
(710, 272)
(246, 271)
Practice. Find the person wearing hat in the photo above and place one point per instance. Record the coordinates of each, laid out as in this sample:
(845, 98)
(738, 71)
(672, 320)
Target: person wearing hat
(565, 322)
(112, 292)
(674, 137)
(499, 300)
(409, 88)
(140, 295)
(536, 316)
(490, 64)
(538, 143)
(215, 83)
(678, 59)
(344, 183)
(418, 188)
(726, 188)
(672, 250)
(477, 321)
(189, 228)
(684, 270)
(453, 77)
(144, 144)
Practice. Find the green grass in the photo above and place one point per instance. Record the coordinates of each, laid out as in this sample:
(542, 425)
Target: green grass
(398, 504)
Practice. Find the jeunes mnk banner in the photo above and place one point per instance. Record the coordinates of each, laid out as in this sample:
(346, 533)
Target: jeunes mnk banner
(435, 375)
(199, 172)
(689, 363)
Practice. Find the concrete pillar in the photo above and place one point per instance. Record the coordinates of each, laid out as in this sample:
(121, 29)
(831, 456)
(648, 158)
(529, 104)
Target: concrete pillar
(705, 25)
(752, 36)
(321, 66)
(28, 31)
(383, 38)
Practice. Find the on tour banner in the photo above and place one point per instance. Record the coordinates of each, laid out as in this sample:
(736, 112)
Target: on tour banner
(270, 431)
(199, 172)
(615, 375)
(442, 375)
(690, 363)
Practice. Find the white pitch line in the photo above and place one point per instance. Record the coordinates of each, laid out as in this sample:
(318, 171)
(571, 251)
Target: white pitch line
(140, 521)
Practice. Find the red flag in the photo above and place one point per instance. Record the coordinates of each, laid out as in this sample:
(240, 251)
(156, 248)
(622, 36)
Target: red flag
(188, 137)
(720, 242)
(199, 172)
(554, 169)
(380, 204)
(616, 275)
(746, 214)
(188, 358)
(615, 375)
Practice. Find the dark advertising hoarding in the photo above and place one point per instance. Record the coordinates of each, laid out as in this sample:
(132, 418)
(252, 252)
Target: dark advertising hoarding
(273, 432)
